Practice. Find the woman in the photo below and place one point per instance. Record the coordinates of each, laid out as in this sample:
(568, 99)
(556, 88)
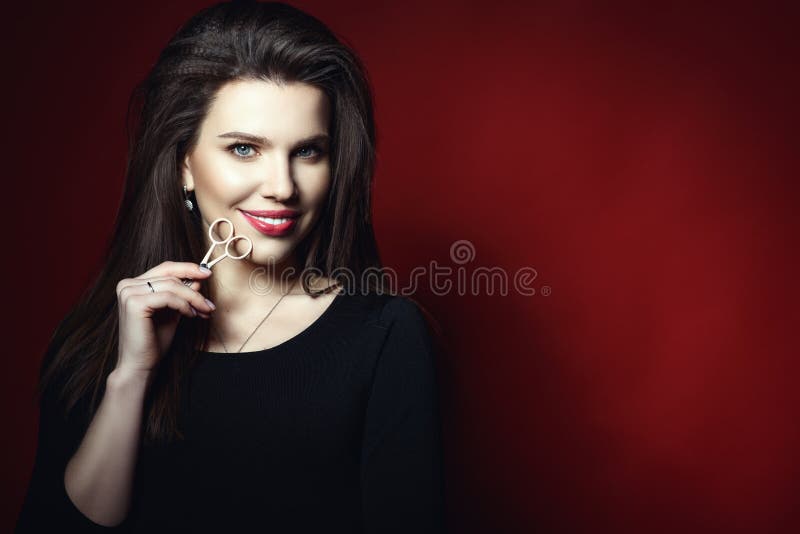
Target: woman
(153, 417)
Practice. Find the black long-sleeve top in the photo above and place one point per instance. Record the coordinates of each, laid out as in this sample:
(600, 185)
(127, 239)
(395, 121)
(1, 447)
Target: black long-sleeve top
(335, 430)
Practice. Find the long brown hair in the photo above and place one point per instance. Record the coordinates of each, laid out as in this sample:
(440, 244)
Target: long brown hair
(225, 42)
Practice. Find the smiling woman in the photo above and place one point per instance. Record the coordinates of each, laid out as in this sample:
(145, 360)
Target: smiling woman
(254, 114)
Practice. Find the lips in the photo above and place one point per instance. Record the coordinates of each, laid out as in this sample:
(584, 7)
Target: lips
(272, 228)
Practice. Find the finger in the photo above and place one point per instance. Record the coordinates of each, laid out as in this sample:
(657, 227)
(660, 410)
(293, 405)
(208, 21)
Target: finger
(195, 298)
(129, 282)
(180, 269)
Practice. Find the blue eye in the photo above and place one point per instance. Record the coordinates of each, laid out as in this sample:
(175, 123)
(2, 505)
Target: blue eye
(242, 150)
(316, 151)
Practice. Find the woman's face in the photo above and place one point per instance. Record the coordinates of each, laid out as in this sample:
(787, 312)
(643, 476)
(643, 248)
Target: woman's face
(263, 148)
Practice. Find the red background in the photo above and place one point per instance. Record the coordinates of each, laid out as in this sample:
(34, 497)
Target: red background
(641, 157)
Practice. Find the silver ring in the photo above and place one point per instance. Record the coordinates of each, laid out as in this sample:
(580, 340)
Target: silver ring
(152, 289)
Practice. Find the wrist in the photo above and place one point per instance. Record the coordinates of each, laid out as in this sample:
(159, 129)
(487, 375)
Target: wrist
(127, 378)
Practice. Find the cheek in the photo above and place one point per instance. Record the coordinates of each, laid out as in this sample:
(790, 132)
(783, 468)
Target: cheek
(217, 174)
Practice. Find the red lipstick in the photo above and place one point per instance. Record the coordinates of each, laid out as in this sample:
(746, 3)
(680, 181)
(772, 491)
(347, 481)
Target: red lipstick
(269, 228)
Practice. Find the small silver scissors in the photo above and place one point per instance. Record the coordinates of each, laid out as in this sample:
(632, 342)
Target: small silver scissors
(228, 241)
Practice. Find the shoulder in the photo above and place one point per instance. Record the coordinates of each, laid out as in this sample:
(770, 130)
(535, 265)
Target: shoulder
(382, 309)
(388, 310)
(405, 311)
(391, 326)
(408, 339)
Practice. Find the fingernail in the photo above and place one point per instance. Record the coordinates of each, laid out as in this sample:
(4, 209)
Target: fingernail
(204, 269)
(193, 310)
(211, 304)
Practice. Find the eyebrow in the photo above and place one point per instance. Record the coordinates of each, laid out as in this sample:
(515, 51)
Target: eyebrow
(316, 138)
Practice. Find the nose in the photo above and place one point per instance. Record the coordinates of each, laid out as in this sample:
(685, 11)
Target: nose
(277, 181)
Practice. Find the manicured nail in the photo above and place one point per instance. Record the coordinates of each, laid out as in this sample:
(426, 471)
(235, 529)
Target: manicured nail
(205, 270)
(193, 310)
(211, 304)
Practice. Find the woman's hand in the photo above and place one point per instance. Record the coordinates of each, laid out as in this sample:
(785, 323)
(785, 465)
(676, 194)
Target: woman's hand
(148, 320)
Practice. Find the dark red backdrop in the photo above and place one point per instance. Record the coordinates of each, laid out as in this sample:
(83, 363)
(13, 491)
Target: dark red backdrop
(642, 158)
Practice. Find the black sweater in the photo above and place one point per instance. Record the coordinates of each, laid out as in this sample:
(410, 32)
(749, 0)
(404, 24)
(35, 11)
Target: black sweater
(335, 430)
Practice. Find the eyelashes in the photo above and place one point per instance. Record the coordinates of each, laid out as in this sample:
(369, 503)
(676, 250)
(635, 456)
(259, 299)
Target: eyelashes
(248, 151)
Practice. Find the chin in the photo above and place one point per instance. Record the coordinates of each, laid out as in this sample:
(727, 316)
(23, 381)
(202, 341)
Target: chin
(270, 259)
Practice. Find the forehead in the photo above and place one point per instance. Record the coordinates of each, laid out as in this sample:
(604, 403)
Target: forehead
(278, 112)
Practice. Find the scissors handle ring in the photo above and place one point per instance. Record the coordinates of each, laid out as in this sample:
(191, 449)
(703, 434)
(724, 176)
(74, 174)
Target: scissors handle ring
(211, 231)
(233, 240)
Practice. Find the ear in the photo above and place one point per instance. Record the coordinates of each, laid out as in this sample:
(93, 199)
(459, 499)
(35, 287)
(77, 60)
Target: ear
(186, 174)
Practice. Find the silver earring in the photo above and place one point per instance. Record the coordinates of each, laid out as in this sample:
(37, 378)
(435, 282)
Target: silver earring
(189, 204)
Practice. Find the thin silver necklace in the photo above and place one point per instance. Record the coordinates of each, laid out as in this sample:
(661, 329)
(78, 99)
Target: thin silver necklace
(257, 327)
